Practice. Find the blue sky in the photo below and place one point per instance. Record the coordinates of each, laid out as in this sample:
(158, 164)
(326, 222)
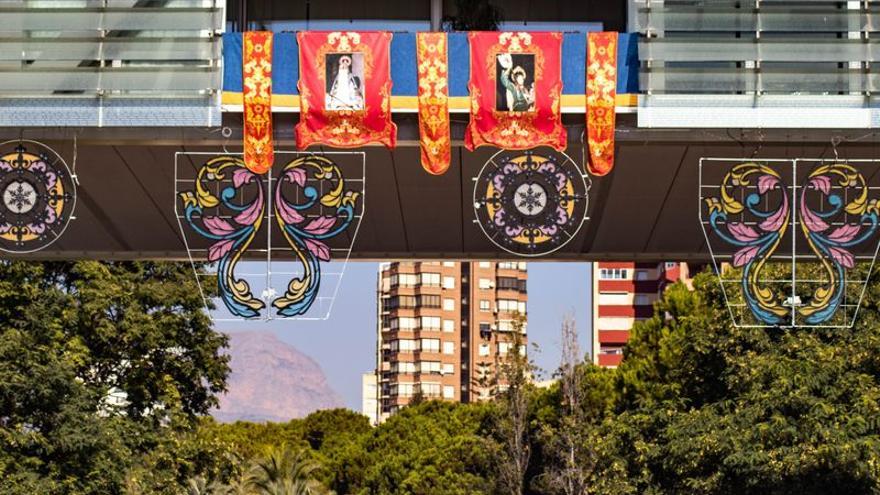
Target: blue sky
(345, 344)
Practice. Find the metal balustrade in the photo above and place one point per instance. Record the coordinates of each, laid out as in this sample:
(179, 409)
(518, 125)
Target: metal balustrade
(102, 62)
(753, 53)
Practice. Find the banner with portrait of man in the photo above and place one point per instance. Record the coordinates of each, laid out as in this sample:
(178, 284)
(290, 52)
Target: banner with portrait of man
(515, 90)
(345, 89)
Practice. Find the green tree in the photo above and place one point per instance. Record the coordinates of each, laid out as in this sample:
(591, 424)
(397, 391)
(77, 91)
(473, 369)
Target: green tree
(435, 448)
(98, 363)
(702, 406)
(512, 439)
(473, 15)
(285, 471)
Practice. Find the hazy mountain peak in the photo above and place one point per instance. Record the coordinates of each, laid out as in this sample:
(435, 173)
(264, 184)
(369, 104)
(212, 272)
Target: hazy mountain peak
(272, 381)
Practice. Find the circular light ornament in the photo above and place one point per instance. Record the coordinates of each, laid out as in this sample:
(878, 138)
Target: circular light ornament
(37, 196)
(530, 203)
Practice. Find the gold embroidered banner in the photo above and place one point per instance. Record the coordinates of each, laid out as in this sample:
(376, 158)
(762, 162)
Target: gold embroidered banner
(434, 141)
(257, 98)
(515, 88)
(601, 94)
(345, 89)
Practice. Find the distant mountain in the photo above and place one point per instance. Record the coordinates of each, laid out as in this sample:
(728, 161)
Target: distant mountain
(272, 381)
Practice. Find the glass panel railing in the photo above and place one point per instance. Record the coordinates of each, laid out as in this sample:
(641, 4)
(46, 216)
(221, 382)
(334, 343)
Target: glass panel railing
(112, 54)
(709, 49)
(171, 49)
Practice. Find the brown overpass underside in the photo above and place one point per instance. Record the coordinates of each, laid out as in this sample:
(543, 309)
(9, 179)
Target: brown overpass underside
(646, 209)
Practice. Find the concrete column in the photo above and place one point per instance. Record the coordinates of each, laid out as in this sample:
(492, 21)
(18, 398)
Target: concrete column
(436, 14)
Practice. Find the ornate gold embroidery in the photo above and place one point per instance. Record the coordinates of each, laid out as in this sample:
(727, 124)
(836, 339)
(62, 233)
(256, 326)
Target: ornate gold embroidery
(434, 138)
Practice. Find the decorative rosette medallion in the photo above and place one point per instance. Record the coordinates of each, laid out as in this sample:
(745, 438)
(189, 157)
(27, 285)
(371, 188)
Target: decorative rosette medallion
(38, 196)
(530, 203)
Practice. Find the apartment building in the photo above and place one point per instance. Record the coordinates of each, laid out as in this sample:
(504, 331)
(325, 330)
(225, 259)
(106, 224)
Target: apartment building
(442, 326)
(623, 293)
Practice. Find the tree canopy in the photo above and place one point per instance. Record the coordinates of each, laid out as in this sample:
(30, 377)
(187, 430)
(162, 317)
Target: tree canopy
(107, 371)
(98, 363)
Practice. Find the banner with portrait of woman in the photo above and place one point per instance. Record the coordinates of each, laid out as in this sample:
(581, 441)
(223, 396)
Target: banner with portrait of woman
(345, 96)
(515, 90)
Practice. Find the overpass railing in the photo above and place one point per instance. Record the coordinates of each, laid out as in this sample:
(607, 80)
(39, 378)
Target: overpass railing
(110, 63)
(759, 63)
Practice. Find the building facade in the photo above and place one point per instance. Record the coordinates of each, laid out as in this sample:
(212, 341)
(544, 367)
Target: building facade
(623, 293)
(370, 397)
(442, 327)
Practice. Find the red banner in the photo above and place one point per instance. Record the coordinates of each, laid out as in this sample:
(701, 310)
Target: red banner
(345, 89)
(434, 141)
(515, 87)
(257, 98)
(601, 93)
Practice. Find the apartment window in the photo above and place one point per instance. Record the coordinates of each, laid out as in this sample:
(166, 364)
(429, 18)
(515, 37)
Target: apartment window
(431, 279)
(448, 325)
(448, 392)
(448, 282)
(449, 263)
(484, 350)
(507, 265)
(641, 300)
(511, 305)
(485, 283)
(403, 345)
(429, 301)
(404, 323)
(641, 275)
(505, 326)
(511, 283)
(449, 305)
(403, 389)
(430, 345)
(504, 347)
(522, 265)
(431, 323)
(448, 369)
(403, 367)
(430, 366)
(448, 347)
(402, 302)
(485, 264)
(404, 280)
(484, 305)
(613, 273)
(671, 264)
(485, 328)
(430, 389)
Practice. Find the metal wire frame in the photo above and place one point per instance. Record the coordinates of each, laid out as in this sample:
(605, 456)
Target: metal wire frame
(269, 291)
(73, 186)
(793, 257)
(585, 179)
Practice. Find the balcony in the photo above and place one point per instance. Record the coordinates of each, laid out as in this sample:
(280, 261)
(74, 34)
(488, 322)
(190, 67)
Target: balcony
(285, 97)
(611, 360)
(770, 64)
(626, 311)
(110, 63)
